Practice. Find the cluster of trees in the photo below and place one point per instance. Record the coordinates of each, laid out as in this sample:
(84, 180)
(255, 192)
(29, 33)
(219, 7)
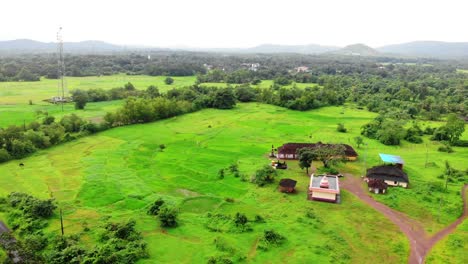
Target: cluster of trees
(166, 213)
(20, 141)
(27, 216)
(391, 131)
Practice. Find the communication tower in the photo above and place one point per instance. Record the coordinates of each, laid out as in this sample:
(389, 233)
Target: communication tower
(61, 69)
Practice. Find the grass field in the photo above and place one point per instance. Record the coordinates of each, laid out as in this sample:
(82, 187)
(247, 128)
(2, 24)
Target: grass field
(453, 248)
(119, 172)
(15, 96)
(462, 70)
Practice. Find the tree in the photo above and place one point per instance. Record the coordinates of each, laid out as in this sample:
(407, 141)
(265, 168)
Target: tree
(129, 87)
(359, 141)
(329, 154)
(80, 98)
(341, 128)
(156, 207)
(168, 216)
(169, 81)
(454, 127)
(240, 220)
(306, 155)
(264, 175)
(224, 99)
(152, 91)
(390, 132)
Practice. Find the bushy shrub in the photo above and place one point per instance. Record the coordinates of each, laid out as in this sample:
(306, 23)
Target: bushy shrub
(168, 216)
(155, 207)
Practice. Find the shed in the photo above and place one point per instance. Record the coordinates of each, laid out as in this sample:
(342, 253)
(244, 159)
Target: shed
(287, 185)
(392, 159)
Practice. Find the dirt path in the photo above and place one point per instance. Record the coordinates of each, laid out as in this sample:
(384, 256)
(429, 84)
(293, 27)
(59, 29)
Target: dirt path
(3, 228)
(420, 242)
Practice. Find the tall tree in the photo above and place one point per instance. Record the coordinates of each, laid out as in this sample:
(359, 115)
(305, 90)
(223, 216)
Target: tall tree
(306, 155)
(454, 127)
(329, 154)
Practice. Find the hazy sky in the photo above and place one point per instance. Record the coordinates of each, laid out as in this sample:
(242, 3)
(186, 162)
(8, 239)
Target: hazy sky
(236, 23)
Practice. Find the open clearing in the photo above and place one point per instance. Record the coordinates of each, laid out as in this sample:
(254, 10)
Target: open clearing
(119, 172)
(15, 96)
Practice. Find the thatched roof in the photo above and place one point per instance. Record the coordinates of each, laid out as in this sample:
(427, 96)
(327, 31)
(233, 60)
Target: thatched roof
(387, 172)
(291, 148)
(288, 183)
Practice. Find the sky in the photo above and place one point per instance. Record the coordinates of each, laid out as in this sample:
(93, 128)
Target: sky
(236, 23)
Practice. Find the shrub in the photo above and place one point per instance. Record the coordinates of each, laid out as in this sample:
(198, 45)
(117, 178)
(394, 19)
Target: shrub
(168, 216)
(155, 207)
(169, 81)
(341, 128)
(221, 174)
(270, 238)
(264, 175)
(4, 155)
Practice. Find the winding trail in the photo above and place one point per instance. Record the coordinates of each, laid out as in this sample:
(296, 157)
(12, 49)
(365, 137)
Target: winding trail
(420, 242)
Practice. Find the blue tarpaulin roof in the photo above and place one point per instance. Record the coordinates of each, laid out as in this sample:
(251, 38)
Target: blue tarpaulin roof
(391, 158)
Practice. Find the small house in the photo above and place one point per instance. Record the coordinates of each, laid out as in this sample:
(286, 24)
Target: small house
(377, 186)
(392, 175)
(324, 188)
(289, 150)
(287, 185)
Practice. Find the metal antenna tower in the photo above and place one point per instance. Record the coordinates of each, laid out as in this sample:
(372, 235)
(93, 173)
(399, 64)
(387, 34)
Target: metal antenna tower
(61, 68)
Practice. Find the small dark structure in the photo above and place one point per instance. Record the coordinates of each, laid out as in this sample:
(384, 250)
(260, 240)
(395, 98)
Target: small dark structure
(392, 175)
(287, 185)
(289, 150)
(279, 165)
(377, 186)
(21, 164)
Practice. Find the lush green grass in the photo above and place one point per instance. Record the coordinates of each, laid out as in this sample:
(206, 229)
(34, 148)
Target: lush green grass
(24, 114)
(15, 96)
(119, 172)
(22, 92)
(462, 70)
(453, 248)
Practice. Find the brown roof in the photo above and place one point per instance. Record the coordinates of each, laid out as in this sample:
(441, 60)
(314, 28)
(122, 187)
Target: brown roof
(287, 183)
(291, 148)
(377, 183)
(387, 172)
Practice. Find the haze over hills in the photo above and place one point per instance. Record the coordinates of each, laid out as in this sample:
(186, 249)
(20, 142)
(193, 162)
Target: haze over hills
(428, 48)
(436, 49)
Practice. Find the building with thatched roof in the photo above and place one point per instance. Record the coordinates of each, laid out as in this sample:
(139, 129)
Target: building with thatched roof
(287, 185)
(289, 150)
(392, 175)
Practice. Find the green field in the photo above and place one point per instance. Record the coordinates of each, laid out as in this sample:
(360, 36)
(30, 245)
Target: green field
(453, 248)
(15, 96)
(119, 172)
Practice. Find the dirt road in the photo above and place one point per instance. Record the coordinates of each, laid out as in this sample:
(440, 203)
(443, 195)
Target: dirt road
(420, 242)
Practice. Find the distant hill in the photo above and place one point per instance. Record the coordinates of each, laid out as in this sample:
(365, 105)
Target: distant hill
(304, 49)
(357, 50)
(428, 49)
(32, 46)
